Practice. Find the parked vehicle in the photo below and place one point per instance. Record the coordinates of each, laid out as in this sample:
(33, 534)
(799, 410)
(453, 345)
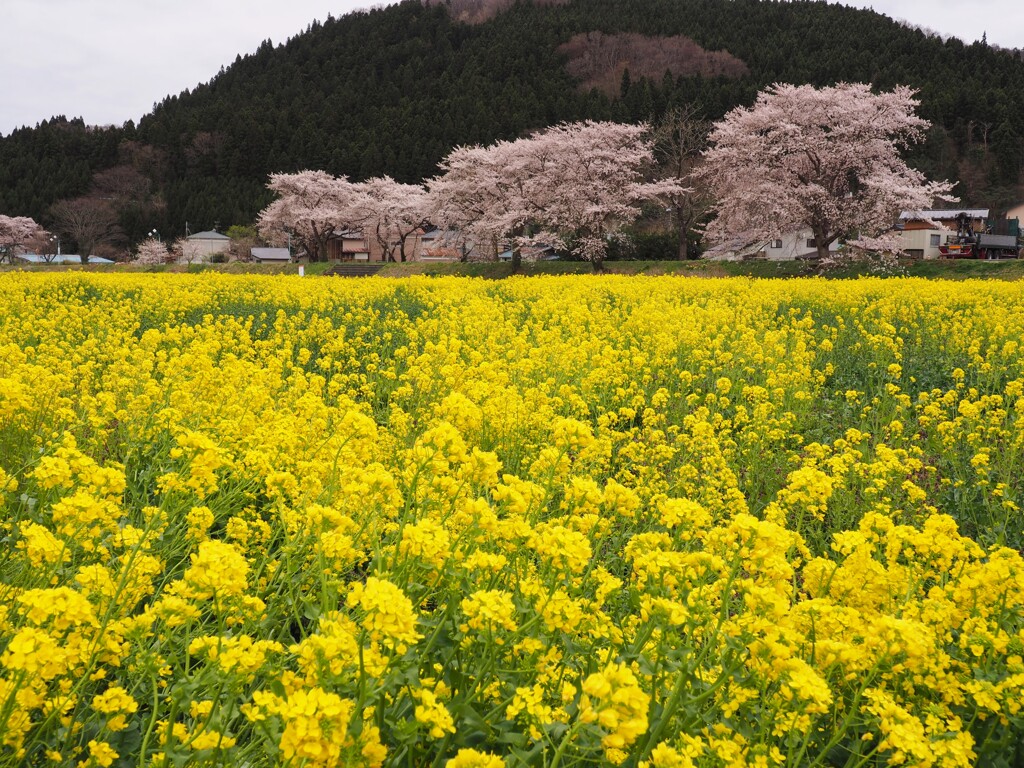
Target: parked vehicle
(1000, 241)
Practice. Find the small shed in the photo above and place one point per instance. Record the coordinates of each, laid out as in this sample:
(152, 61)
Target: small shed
(923, 243)
(271, 255)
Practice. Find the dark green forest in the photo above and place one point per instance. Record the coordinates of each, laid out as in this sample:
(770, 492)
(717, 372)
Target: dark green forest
(392, 90)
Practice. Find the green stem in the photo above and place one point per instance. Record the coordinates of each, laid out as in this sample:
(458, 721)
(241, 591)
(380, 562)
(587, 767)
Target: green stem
(152, 720)
(563, 745)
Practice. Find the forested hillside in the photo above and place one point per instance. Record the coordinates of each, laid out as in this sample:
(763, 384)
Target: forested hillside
(391, 91)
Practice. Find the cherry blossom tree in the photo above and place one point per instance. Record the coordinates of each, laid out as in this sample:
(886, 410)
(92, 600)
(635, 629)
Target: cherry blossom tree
(594, 177)
(574, 185)
(310, 206)
(477, 196)
(826, 159)
(15, 232)
(151, 251)
(390, 212)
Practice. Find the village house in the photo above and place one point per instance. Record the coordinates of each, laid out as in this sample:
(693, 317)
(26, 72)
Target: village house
(798, 244)
(741, 248)
(790, 246)
(440, 245)
(352, 245)
(924, 232)
(204, 244)
(434, 245)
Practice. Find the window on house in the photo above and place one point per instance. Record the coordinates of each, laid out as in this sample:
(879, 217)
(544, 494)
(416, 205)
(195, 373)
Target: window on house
(810, 243)
(776, 244)
(933, 240)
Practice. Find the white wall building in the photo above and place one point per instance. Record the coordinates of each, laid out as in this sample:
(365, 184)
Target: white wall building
(923, 243)
(205, 244)
(924, 231)
(798, 244)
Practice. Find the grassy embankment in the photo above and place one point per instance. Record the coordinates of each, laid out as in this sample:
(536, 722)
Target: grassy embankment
(949, 270)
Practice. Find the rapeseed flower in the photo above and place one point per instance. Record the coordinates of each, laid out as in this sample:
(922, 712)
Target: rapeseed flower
(387, 614)
(656, 521)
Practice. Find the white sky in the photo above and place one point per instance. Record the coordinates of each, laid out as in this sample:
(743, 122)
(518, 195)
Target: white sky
(108, 61)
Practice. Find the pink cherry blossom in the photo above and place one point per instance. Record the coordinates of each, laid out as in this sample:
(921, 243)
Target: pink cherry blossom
(826, 159)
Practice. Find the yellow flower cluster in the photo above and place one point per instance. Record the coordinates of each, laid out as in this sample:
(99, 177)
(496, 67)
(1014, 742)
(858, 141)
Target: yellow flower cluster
(489, 609)
(559, 522)
(614, 700)
(316, 729)
(388, 615)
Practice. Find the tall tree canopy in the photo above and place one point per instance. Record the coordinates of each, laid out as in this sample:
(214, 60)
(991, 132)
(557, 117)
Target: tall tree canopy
(823, 158)
(89, 222)
(575, 184)
(310, 206)
(313, 205)
(391, 213)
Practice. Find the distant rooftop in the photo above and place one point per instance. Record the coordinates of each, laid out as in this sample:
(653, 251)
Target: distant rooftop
(64, 258)
(952, 213)
(209, 235)
(271, 254)
(439, 234)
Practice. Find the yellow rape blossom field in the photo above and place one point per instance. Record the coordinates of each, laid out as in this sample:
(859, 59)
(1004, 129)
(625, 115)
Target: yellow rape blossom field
(551, 522)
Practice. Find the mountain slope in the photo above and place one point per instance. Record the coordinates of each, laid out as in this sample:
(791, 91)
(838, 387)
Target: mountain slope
(392, 90)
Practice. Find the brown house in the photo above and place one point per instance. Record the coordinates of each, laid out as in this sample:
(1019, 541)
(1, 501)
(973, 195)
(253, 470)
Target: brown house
(441, 245)
(351, 245)
(355, 245)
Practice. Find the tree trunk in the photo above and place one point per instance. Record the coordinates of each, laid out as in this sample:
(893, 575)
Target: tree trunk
(517, 260)
(682, 227)
(320, 246)
(821, 242)
(823, 252)
(598, 263)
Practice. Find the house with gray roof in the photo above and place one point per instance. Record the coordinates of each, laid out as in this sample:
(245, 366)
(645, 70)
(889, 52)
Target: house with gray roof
(205, 244)
(271, 255)
(62, 258)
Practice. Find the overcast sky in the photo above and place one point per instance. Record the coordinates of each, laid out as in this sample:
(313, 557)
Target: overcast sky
(108, 61)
